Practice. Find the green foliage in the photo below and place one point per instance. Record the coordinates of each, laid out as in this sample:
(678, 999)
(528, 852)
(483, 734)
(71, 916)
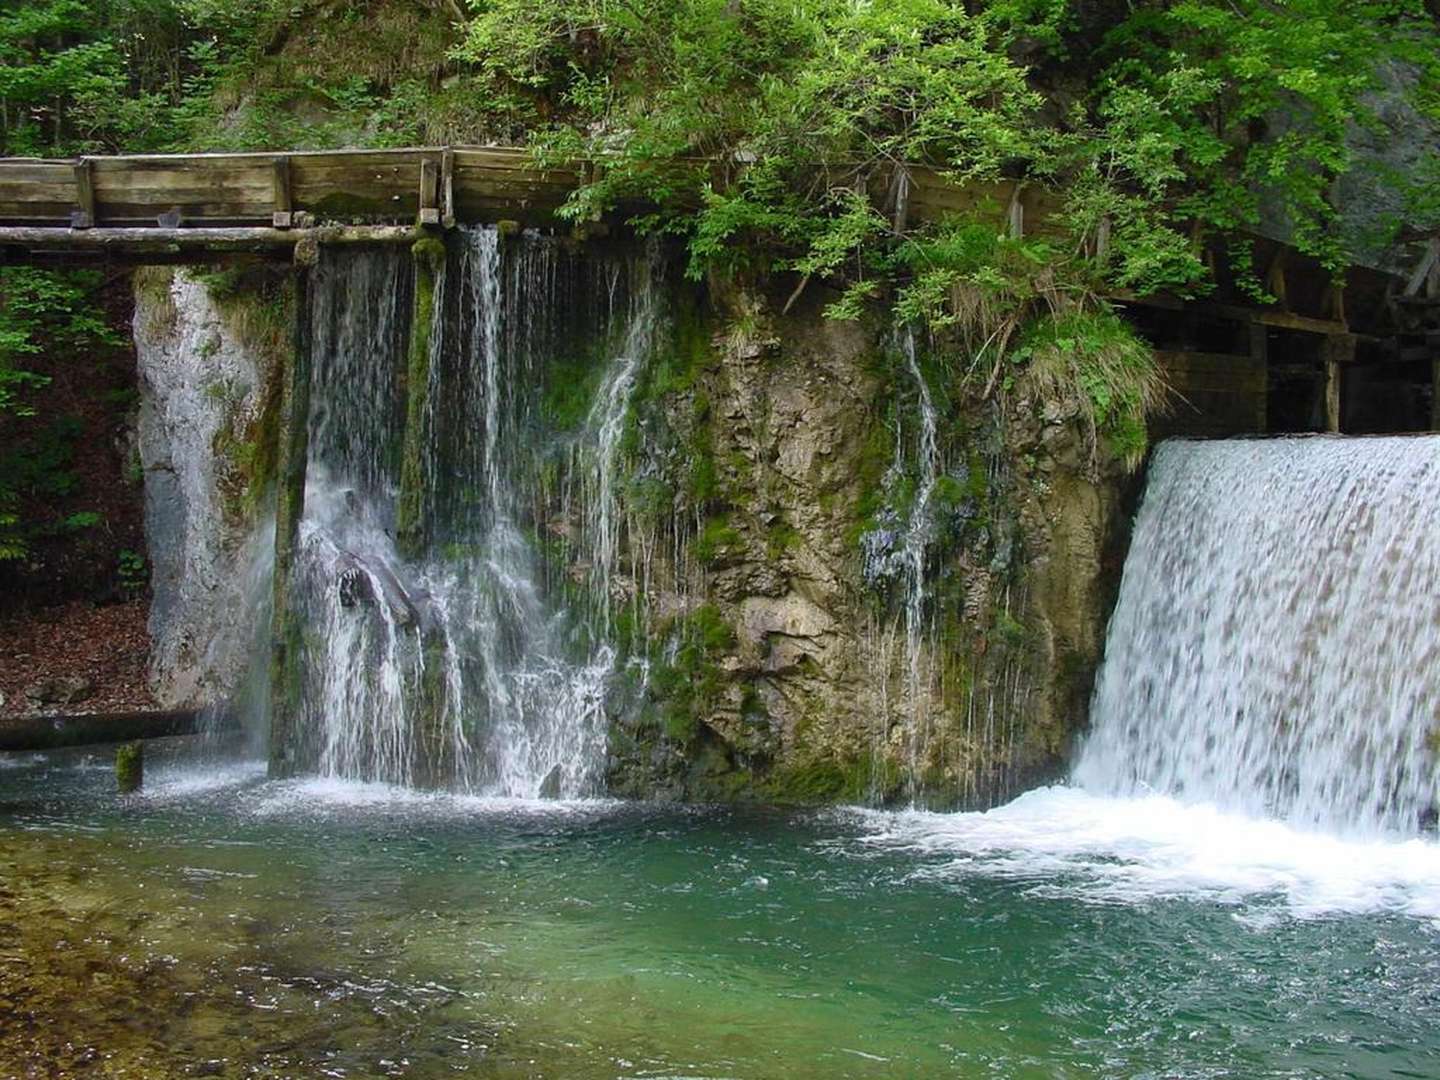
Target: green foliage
(132, 573)
(687, 684)
(1094, 358)
(715, 541)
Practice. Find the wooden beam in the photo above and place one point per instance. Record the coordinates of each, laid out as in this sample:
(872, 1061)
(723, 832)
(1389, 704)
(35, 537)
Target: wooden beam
(1260, 357)
(83, 217)
(1102, 240)
(283, 214)
(1339, 350)
(1275, 280)
(1429, 261)
(429, 192)
(58, 732)
(447, 188)
(1015, 215)
(243, 238)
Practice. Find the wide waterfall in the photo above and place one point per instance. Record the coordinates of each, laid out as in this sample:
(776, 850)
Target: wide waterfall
(1275, 643)
(454, 664)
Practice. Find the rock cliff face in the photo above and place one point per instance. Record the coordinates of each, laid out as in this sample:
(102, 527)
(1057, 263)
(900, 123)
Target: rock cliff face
(209, 395)
(833, 610)
(847, 572)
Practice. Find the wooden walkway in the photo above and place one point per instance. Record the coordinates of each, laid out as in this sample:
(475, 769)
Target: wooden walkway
(100, 202)
(155, 208)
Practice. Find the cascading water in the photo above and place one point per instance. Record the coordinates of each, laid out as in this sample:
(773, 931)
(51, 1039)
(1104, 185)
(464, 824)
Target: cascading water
(918, 534)
(1275, 643)
(898, 552)
(455, 666)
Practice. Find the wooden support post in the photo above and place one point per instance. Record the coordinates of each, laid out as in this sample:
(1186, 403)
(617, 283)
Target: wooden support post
(1275, 281)
(1102, 240)
(1435, 394)
(1338, 351)
(294, 449)
(429, 257)
(282, 214)
(429, 192)
(447, 188)
(1426, 271)
(1334, 307)
(1260, 356)
(1015, 215)
(84, 215)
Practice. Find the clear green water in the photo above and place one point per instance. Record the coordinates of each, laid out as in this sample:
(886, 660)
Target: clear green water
(223, 925)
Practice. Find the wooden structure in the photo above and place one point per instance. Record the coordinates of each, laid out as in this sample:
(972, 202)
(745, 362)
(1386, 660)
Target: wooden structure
(135, 205)
(1232, 360)
(88, 729)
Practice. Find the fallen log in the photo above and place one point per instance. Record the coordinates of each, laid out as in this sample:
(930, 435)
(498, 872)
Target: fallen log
(57, 732)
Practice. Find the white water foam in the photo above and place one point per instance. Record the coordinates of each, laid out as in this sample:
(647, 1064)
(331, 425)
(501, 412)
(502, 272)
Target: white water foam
(323, 796)
(1144, 849)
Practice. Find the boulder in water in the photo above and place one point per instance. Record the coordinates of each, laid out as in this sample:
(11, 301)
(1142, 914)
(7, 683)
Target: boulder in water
(550, 786)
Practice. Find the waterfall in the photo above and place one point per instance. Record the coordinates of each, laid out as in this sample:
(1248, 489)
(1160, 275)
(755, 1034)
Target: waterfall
(1274, 647)
(604, 430)
(457, 666)
(918, 534)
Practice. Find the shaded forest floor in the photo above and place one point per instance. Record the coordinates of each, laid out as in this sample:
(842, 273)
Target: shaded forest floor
(73, 611)
(55, 649)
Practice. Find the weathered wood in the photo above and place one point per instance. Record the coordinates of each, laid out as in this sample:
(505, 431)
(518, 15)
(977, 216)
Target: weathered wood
(1216, 394)
(283, 212)
(1275, 280)
(1338, 352)
(259, 238)
(1429, 262)
(59, 732)
(447, 188)
(429, 196)
(1015, 216)
(83, 217)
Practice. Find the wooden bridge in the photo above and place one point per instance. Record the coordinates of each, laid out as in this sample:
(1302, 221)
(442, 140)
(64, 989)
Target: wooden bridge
(148, 205)
(1223, 353)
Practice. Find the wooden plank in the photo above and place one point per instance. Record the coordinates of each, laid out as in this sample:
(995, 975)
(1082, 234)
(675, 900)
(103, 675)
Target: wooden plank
(1339, 350)
(429, 193)
(1015, 216)
(1429, 260)
(283, 207)
(89, 729)
(20, 192)
(162, 240)
(447, 188)
(83, 217)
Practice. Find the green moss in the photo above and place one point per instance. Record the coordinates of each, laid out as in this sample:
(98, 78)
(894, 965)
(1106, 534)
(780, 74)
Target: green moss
(716, 540)
(828, 780)
(781, 537)
(650, 499)
(130, 767)
(687, 687)
(429, 256)
(570, 388)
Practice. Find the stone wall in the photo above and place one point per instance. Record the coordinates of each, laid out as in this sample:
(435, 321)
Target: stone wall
(781, 449)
